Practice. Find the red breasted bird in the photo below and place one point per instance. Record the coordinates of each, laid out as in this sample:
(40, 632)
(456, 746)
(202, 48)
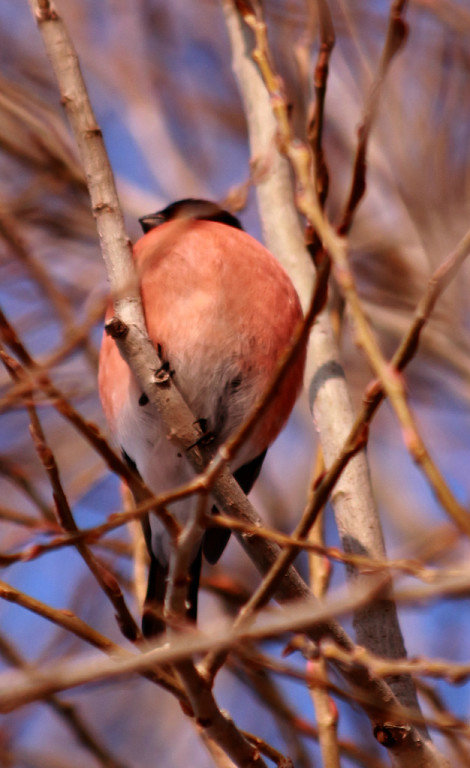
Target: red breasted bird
(221, 310)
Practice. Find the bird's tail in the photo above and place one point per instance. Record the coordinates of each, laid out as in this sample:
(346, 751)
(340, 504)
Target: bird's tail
(152, 618)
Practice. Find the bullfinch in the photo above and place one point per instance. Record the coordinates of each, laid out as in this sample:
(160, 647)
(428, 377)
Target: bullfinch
(220, 310)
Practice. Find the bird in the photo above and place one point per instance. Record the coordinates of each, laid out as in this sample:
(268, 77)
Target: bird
(220, 310)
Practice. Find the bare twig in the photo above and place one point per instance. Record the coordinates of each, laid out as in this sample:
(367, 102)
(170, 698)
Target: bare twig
(325, 707)
(103, 576)
(453, 672)
(266, 689)
(270, 752)
(71, 623)
(43, 280)
(299, 157)
(460, 750)
(442, 721)
(315, 128)
(27, 521)
(440, 541)
(394, 40)
(139, 548)
(260, 682)
(181, 558)
(216, 724)
(187, 644)
(360, 527)
(17, 477)
(34, 377)
(67, 712)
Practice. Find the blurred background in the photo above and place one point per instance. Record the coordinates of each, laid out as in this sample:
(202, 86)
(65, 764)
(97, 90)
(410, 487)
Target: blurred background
(159, 75)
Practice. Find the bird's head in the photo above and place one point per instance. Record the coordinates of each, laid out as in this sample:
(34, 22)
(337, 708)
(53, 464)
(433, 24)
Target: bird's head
(189, 208)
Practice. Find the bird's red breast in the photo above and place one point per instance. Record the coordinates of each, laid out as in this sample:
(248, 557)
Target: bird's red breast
(222, 310)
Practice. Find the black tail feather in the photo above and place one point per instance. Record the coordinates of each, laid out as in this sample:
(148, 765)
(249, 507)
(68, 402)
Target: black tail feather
(152, 617)
(214, 543)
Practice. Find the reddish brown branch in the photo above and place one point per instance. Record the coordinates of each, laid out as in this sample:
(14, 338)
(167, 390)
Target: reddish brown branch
(32, 377)
(67, 712)
(66, 619)
(17, 476)
(43, 280)
(394, 40)
(320, 79)
(103, 576)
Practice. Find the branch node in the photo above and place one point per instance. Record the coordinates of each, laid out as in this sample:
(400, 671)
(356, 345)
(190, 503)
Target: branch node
(390, 735)
(45, 12)
(101, 207)
(204, 722)
(91, 132)
(163, 374)
(116, 328)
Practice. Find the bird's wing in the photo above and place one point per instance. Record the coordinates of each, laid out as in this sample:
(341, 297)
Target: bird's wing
(216, 539)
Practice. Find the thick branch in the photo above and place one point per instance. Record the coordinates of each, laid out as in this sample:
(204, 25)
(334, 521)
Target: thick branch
(376, 626)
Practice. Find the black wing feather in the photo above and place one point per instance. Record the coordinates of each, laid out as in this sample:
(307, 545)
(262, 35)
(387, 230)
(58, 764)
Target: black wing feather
(216, 539)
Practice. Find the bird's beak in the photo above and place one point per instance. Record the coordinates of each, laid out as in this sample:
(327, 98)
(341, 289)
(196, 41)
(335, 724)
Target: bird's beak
(150, 221)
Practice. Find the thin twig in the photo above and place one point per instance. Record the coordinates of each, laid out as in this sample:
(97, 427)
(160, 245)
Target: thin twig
(444, 721)
(16, 475)
(103, 576)
(32, 373)
(273, 754)
(315, 128)
(66, 619)
(294, 722)
(63, 676)
(216, 724)
(261, 683)
(330, 402)
(76, 339)
(434, 699)
(454, 672)
(440, 541)
(325, 706)
(394, 40)
(67, 712)
(391, 381)
(55, 298)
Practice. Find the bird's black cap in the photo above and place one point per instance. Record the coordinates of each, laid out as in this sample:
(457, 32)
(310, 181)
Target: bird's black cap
(189, 208)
